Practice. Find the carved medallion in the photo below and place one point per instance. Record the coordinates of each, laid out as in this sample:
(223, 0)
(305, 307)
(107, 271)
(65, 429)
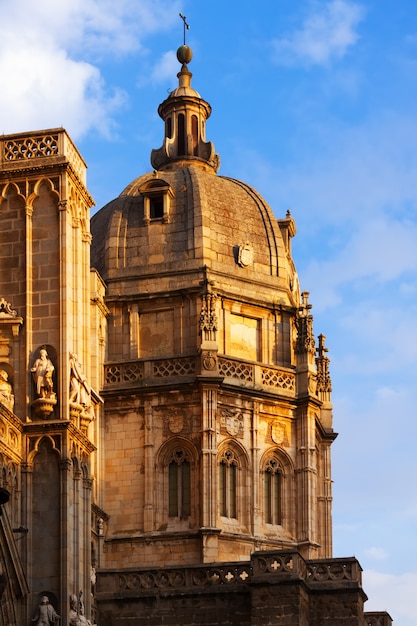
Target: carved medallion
(176, 423)
(209, 361)
(245, 255)
(231, 422)
(279, 434)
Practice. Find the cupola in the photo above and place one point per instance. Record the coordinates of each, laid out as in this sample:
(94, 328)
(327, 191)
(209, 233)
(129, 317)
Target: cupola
(184, 113)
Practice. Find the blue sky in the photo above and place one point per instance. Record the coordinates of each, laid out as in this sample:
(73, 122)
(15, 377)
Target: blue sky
(314, 104)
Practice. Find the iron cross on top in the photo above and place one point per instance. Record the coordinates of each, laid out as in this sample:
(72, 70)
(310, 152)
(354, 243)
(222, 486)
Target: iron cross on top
(186, 25)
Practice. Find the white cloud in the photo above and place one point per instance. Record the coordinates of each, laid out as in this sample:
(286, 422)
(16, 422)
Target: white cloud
(326, 34)
(166, 67)
(46, 90)
(380, 250)
(87, 26)
(49, 54)
(353, 193)
(376, 553)
(396, 594)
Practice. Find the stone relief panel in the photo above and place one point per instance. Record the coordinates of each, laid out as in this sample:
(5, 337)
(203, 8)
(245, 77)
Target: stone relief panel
(231, 422)
(278, 432)
(176, 421)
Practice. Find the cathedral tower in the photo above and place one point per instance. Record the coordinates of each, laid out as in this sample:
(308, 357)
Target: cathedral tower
(165, 416)
(217, 418)
(47, 403)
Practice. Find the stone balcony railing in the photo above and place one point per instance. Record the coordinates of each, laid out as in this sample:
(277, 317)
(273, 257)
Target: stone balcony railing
(263, 565)
(234, 371)
(35, 147)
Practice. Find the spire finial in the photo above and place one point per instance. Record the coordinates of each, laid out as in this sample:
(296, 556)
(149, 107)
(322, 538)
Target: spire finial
(186, 25)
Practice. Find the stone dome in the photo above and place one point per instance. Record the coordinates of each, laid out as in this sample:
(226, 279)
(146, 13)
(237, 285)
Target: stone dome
(211, 221)
(183, 219)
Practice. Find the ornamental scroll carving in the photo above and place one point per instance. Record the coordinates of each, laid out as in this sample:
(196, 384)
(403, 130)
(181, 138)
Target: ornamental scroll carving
(9, 318)
(6, 309)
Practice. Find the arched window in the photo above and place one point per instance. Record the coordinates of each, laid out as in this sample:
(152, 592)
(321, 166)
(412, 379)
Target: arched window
(181, 134)
(179, 485)
(194, 134)
(227, 484)
(273, 491)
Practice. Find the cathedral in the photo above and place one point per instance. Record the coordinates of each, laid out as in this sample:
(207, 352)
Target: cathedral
(165, 406)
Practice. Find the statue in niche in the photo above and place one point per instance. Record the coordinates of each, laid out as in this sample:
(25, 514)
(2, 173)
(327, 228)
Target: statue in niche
(45, 614)
(76, 612)
(42, 371)
(6, 392)
(80, 390)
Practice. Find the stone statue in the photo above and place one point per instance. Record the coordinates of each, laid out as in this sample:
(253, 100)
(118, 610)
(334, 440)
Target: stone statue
(80, 392)
(45, 614)
(42, 371)
(6, 392)
(76, 613)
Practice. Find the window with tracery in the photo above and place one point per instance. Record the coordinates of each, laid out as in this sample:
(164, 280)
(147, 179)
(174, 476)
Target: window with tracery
(272, 492)
(228, 484)
(179, 485)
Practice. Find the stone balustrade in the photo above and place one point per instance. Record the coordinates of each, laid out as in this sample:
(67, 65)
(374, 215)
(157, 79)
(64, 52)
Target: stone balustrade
(274, 564)
(41, 145)
(234, 371)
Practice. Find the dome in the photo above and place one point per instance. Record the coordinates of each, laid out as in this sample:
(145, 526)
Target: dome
(181, 220)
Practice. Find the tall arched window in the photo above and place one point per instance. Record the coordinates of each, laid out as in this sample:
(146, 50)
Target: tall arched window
(228, 484)
(273, 491)
(181, 134)
(179, 485)
(194, 134)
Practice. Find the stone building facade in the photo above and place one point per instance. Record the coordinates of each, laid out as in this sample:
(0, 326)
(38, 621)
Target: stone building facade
(165, 411)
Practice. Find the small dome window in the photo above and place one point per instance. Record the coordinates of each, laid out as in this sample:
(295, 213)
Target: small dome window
(157, 195)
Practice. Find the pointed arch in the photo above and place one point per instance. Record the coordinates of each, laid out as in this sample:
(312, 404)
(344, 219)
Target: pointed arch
(37, 446)
(277, 488)
(43, 185)
(233, 479)
(12, 190)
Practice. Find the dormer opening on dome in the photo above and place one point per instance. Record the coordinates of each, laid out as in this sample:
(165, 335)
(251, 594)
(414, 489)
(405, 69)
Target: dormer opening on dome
(157, 195)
